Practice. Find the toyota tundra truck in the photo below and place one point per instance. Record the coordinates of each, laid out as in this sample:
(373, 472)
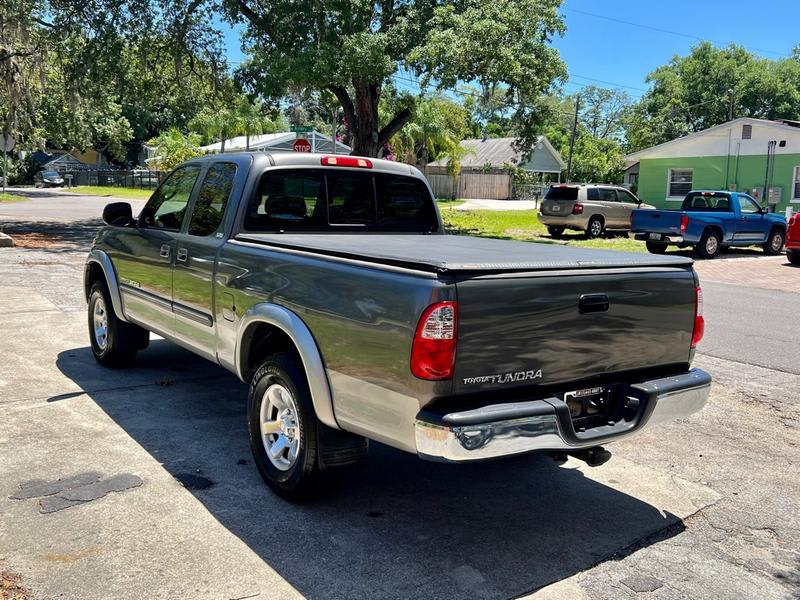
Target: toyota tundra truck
(329, 285)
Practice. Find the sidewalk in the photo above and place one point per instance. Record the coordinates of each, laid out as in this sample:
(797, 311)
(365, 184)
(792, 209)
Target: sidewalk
(766, 272)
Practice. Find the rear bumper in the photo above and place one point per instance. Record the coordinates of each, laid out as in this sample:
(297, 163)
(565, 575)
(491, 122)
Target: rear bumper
(569, 221)
(545, 425)
(666, 238)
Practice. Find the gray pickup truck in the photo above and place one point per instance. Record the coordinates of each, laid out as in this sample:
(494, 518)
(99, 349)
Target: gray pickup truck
(328, 284)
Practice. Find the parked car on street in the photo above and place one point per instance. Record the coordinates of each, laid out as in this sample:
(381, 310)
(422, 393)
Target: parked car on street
(590, 208)
(708, 221)
(328, 284)
(793, 240)
(44, 179)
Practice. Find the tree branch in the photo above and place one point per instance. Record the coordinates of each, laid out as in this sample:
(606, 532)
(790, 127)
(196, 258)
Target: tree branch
(249, 13)
(393, 126)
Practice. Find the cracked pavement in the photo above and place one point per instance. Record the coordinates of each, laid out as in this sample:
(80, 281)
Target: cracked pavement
(705, 507)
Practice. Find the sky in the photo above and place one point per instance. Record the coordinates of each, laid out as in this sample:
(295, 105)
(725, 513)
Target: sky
(616, 43)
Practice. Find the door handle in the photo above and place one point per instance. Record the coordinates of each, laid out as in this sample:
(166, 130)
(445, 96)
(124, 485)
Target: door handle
(164, 251)
(183, 254)
(589, 303)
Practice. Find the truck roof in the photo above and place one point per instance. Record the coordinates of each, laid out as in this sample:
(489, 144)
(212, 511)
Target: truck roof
(308, 159)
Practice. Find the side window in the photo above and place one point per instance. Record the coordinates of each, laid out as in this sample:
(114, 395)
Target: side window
(404, 202)
(625, 196)
(287, 199)
(747, 205)
(166, 207)
(592, 194)
(212, 199)
(608, 195)
(351, 200)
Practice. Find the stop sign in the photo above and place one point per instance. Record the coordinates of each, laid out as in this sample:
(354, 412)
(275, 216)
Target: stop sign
(301, 145)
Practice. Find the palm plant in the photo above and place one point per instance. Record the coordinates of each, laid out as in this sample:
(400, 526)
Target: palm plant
(211, 123)
(252, 119)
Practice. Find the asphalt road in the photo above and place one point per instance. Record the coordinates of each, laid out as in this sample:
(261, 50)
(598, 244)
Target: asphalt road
(752, 326)
(58, 205)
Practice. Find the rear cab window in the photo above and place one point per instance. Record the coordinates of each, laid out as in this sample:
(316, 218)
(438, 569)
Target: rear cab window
(340, 200)
(707, 202)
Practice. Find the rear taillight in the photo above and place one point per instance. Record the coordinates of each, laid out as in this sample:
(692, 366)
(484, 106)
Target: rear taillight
(684, 223)
(699, 322)
(433, 354)
(577, 209)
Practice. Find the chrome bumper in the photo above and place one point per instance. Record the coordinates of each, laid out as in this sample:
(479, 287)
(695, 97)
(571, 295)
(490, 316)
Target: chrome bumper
(645, 237)
(545, 425)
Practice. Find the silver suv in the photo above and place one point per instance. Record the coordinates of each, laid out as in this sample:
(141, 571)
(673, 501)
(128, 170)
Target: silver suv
(590, 208)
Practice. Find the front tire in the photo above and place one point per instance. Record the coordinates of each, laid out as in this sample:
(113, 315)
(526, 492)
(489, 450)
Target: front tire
(114, 342)
(774, 244)
(794, 257)
(554, 231)
(710, 244)
(656, 247)
(283, 427)
(594, 228)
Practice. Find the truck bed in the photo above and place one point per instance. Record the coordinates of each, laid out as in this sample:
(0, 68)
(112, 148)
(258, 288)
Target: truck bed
(451, 254)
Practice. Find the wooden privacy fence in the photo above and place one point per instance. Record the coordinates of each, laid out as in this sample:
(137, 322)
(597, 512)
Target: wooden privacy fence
(492, 186)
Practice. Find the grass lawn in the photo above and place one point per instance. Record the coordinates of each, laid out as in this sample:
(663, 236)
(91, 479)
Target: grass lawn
(119, 192)
(448, 203)
(524, 225)
(12, 198)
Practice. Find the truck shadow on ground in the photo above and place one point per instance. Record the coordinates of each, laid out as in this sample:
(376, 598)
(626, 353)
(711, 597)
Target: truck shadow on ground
(396, 527)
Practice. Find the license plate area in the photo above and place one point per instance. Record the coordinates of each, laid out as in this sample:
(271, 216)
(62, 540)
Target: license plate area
(555, 208)
(655, 236)
(600, 406)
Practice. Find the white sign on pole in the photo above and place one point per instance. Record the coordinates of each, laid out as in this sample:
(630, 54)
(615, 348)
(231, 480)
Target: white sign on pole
(7, 143)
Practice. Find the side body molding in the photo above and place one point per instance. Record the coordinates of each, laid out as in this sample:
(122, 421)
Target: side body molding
(101, 258)
(298, 332)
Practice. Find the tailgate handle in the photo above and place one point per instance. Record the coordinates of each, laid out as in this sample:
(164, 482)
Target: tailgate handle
(590, 303)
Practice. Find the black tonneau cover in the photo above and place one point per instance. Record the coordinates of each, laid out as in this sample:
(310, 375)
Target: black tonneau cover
(456, 253)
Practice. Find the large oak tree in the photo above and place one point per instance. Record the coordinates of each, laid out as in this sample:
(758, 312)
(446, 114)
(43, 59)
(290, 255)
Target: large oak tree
(353, 47)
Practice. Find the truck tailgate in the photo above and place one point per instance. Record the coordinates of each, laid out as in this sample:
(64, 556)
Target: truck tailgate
(547, 329)
(656, 221)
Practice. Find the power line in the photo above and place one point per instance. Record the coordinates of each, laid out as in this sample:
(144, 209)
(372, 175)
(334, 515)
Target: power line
(668, 31)
(619, 85)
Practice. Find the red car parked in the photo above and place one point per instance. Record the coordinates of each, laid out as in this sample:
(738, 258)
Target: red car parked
(793, 240)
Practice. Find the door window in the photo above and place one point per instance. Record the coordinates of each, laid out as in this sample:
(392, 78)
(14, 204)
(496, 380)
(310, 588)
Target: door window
(607, 195)
(748, 206)
(212, 199)
(167, 206)
(625, 196)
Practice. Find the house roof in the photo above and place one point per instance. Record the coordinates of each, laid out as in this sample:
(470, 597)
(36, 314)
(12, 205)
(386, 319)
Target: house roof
(783, 125)
(497, 152)
(273, 141)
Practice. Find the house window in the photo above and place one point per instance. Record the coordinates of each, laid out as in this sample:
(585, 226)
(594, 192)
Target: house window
(747, 132)
(633, 178)
(796, 186)
(679, 182)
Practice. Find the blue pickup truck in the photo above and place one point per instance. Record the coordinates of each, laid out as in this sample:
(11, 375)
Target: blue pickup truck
(710, 221)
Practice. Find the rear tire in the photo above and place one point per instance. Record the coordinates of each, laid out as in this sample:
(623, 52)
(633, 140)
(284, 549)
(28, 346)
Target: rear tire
(774, 244)
(555, 232)
(595, 226)
(656, 247)
(794, 257)
(710, 244)
(287, 454)
(114, 342)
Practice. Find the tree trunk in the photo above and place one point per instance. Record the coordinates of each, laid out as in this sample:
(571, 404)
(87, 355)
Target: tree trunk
(368, 139)
(247, 141)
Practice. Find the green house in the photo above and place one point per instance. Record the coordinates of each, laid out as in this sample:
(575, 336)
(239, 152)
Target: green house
(744, 154)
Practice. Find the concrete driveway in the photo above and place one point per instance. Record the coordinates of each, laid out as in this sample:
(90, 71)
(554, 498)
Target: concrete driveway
(54, 204)
(138, 483)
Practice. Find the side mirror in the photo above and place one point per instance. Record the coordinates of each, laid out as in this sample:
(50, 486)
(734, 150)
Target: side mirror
(118, 214)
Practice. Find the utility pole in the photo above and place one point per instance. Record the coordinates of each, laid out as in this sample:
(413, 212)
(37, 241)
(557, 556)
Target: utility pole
(572, 140)
(730, 105)
(333, 128)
